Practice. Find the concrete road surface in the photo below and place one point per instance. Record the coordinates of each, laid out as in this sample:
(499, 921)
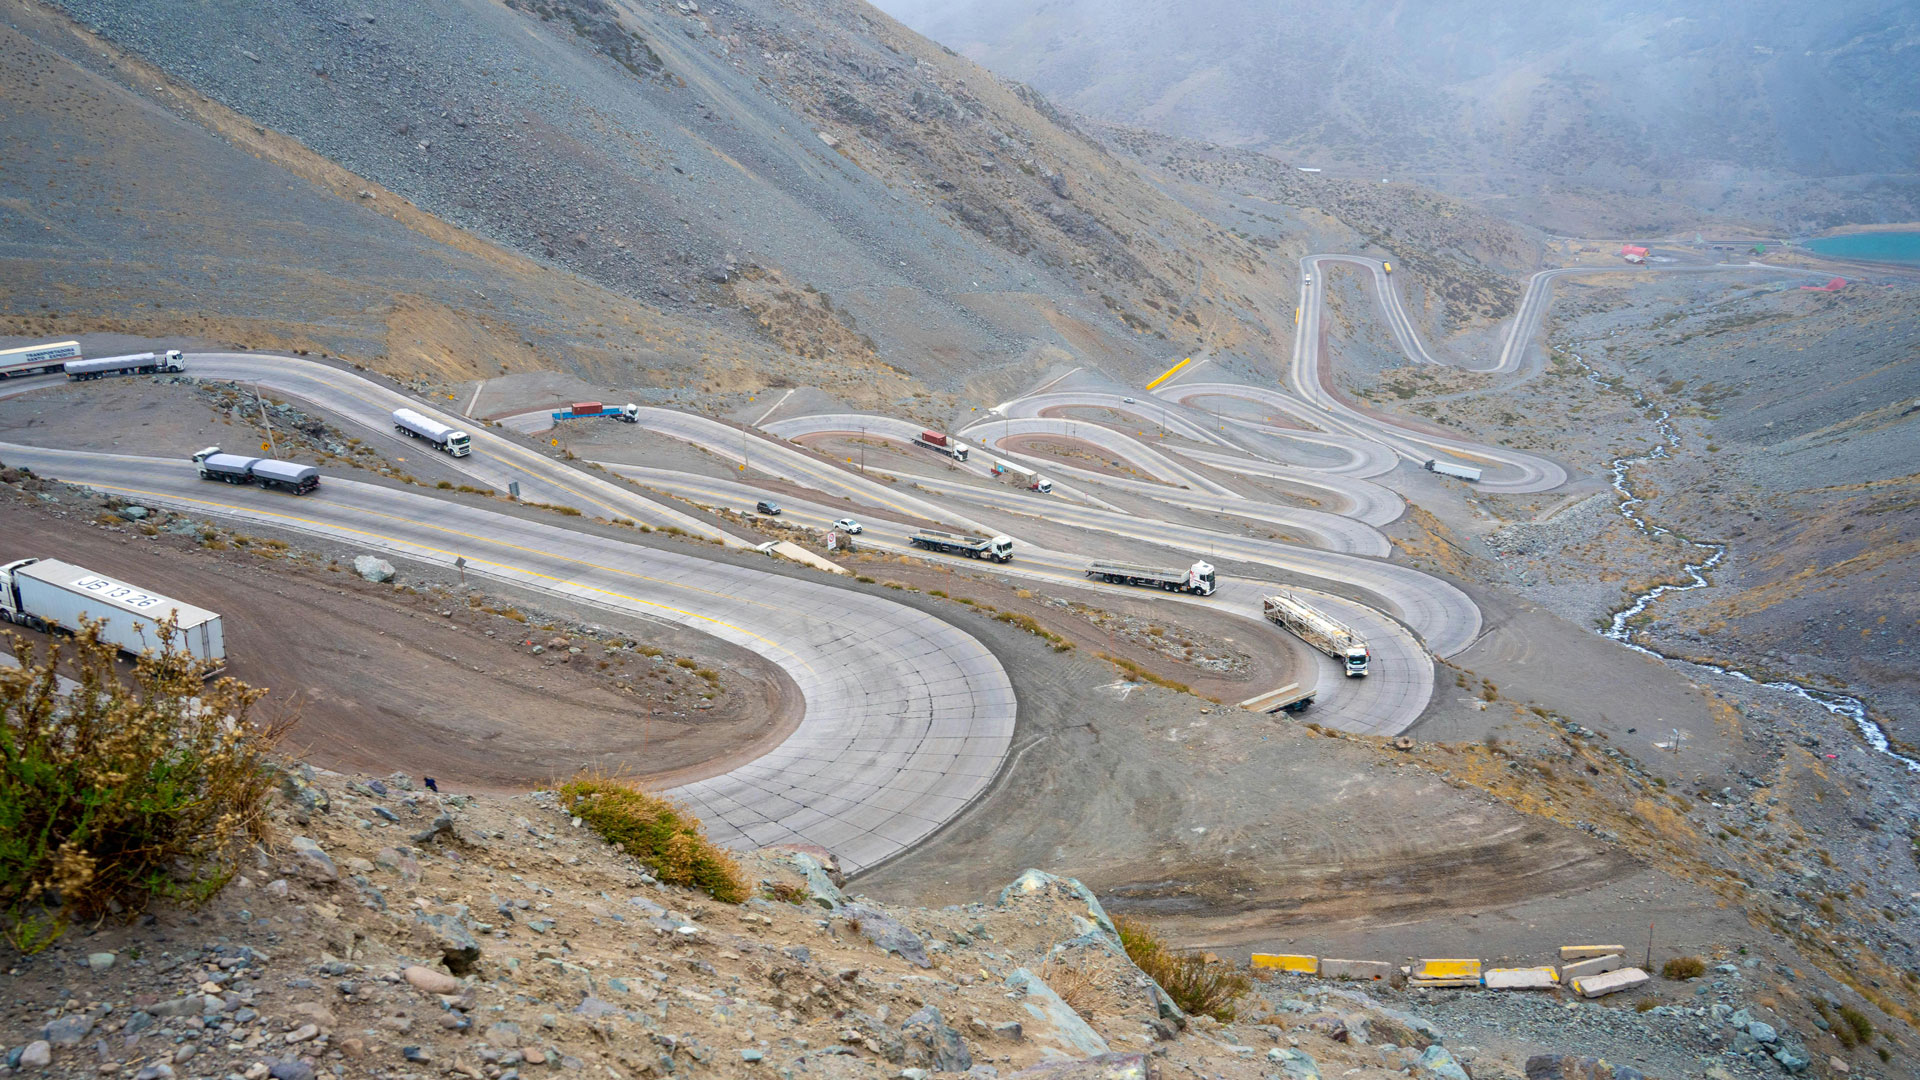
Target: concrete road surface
(907, 718)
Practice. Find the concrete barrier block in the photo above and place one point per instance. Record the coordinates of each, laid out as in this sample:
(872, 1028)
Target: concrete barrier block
(1290, 963)
(1609, 982)
(1595, 966)
(1366, 970)
(1533, 978)
(1585, 952)
(1445, 972)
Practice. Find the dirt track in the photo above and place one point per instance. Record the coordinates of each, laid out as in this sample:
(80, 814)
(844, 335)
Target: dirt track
(382, 681)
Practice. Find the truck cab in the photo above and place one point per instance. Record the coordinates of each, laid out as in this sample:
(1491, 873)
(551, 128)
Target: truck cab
(10, 607)
(1359, 660)
(459, 444)
(173, 360)
(1201, 579)
(1001, 549)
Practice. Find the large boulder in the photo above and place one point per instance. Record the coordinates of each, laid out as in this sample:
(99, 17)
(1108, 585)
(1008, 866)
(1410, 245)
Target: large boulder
(888, 933)
(932, 1044)
(374, 569)
(458, 949)
(1294, 1064)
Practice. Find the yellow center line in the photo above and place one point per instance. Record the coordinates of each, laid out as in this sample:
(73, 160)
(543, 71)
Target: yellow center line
(1170, 373)
(323, 525)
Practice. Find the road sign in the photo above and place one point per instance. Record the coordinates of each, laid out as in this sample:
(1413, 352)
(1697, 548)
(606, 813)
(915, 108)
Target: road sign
(513, 488)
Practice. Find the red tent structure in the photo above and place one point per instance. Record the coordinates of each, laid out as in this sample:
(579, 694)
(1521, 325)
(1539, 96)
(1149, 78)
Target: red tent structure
(1832, 286)
(1633, 254)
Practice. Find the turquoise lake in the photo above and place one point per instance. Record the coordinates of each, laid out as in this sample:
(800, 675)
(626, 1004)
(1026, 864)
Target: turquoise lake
(1895, 247)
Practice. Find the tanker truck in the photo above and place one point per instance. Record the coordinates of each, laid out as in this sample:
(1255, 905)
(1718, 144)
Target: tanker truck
(1322, 631)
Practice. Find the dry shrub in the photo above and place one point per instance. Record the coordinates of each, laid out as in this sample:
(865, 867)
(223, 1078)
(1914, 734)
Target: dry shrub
(1074, 983)
(656, 831)
(1193, 984)
(124, 792)
(1683, 967)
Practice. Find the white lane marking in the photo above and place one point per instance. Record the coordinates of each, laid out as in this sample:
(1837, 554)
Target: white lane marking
(771, 408)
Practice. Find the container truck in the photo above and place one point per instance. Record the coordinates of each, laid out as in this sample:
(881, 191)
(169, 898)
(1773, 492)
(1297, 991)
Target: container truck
(145, 363)
(1020, 476)
(48, 595)
(945, 444)
(1321, 631)
(38, 359)
(267, 472)
(451, 440)
(997, 548)
(588, 410)
(1197, 578)
(1463, 472)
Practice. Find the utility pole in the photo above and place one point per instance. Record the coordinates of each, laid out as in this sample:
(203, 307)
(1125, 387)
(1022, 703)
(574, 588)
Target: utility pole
(265, 422)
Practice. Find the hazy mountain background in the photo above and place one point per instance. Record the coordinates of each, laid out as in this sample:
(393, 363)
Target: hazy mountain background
(1609, 114)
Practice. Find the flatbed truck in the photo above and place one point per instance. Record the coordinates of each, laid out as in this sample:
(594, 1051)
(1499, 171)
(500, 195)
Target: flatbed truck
(945, 444)
(1198, 579)
(593, 410)
(995, 548)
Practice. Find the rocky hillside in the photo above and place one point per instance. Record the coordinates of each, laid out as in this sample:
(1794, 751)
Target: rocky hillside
(398, 932)
(1630, 113)
(810, 177)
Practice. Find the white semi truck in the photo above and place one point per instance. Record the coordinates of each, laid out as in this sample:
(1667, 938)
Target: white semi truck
(996, 548)
(1198, 578)
(451, 440)
(1322, 631)
(1461, 472)
(47, 595)
(1022, 477)
(145, 363)
(38, 359)
(267, 472)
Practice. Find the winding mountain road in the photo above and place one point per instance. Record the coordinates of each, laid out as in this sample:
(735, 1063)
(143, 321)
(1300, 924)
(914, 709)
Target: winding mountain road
(907, 718)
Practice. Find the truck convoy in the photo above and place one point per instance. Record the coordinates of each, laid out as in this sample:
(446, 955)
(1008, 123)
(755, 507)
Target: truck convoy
(945, 444)
(997, 548)
(1463, 472)
(38, 359)
(1321, 631)
(145, 363)
(47, 595)
(589, 410)
(451, 440)
(267, 472)
(1197, 579)
(1020, 476)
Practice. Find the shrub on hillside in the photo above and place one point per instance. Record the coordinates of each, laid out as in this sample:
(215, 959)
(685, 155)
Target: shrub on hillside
(126, 791)
(1195, 985)
(1683, 967)
(656, 831)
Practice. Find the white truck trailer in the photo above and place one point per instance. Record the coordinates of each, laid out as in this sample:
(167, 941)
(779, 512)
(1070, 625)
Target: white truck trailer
(1322, 631)
(47, 595)
(145, 363)
(996, 548)
(38, 359)
(267, 472)
(1198, 578)
(450, 440)
(1021, 476)
(1461, 472)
